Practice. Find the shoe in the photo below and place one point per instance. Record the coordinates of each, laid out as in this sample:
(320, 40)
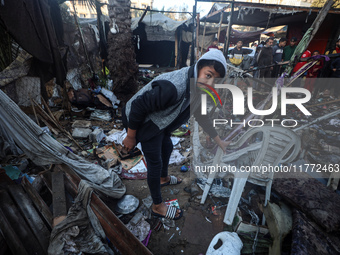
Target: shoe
(170, 213)
(173, 181)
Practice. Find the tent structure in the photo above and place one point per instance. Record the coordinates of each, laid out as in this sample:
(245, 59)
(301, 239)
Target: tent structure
(159, 40)
(298, 20)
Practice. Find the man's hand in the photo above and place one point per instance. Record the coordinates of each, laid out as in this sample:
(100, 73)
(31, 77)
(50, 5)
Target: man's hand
(130, 140)
(221, 143)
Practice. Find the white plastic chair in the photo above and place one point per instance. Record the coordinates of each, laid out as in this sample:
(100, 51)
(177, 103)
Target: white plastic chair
(275, 144)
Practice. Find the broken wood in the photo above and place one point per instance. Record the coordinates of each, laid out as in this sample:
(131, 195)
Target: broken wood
(114, 229)
(35, 113)
(203, 38)
(197, 35)
(38, 201)
(55, 123)
(220, 25)
(324, 103)
(59, 198)
(30, 214)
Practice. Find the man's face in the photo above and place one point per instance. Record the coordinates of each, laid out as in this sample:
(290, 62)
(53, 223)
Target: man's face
(338, 44)
(315, 53)
(292, 43)
(239, 44)
(207, 75)
(270, 43)
(282, 44)
(215, 43)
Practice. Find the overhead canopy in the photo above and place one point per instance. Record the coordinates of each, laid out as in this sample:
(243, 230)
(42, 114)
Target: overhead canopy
(262, 15)
(157, 19)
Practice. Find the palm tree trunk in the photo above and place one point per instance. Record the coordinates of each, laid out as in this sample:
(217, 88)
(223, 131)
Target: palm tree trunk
(121, 54)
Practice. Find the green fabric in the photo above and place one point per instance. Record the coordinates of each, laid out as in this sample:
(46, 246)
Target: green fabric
(300, 49)
(288, 52)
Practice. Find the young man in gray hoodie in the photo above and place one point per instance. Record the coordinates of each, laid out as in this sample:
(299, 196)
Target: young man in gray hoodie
(277, 56)
(158, 109)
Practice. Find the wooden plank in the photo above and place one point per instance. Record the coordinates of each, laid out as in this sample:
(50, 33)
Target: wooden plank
(47, 178)
(197, 35)
(30, 214)
(16, 221)
(115, 230)
(38, 201)
(11, 238)
(219, 27)
(112, 234)
(59, 198)
(203, 39)
(69, 186)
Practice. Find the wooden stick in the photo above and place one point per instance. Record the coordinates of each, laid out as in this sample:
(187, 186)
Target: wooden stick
(203, 39)
(35, 113)
(219, 28)
(38, 201)
(197, 35)
(324, 103)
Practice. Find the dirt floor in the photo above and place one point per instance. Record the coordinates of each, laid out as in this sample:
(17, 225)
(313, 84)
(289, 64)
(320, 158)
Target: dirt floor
(191, 234)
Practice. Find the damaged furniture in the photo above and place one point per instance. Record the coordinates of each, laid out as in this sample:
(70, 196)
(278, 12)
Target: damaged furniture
(276, 143)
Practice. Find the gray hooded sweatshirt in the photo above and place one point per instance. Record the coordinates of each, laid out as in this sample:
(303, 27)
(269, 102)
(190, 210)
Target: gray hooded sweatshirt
(163, 104)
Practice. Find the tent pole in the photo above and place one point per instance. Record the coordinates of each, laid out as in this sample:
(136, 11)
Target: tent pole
(192, 57)
(176, 48)
(197, 36)
(227, 42)
(219, 28)
(203, 39)
(82, 38)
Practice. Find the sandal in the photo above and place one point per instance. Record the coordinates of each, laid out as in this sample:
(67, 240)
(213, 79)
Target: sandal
(170, 213)
(173, 181)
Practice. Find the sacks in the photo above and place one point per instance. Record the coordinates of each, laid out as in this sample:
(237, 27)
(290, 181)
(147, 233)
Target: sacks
(231, 244)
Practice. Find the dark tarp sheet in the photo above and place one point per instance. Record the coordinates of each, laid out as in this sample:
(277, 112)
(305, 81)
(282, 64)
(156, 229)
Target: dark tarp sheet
(313, 198)
(30, 23)
(310, 239)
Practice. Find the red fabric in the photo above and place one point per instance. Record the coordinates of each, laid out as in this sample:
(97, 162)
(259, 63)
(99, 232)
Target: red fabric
(337, 50)
(312, 75)
(314, 71)
(306, 54)
(309, 84)
(212, 47)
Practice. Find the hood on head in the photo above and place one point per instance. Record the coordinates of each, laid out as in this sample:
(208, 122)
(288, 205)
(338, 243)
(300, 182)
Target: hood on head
(216, 55)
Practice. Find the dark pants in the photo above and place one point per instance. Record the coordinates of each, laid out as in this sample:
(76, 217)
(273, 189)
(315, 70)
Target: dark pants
(157, 153)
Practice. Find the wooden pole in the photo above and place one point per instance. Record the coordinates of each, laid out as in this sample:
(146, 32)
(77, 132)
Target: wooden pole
(197, 35)
(203, 39)
(192, 57)
(227, 41)
(219, 28)
(176, 48)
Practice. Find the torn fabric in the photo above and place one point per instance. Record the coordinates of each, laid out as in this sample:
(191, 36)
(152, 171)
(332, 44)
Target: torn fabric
(42, 149)
(80, 231)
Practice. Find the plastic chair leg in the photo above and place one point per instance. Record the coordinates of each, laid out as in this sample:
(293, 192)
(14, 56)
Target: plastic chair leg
(207, 186)
(216, 161)
(234, 199)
